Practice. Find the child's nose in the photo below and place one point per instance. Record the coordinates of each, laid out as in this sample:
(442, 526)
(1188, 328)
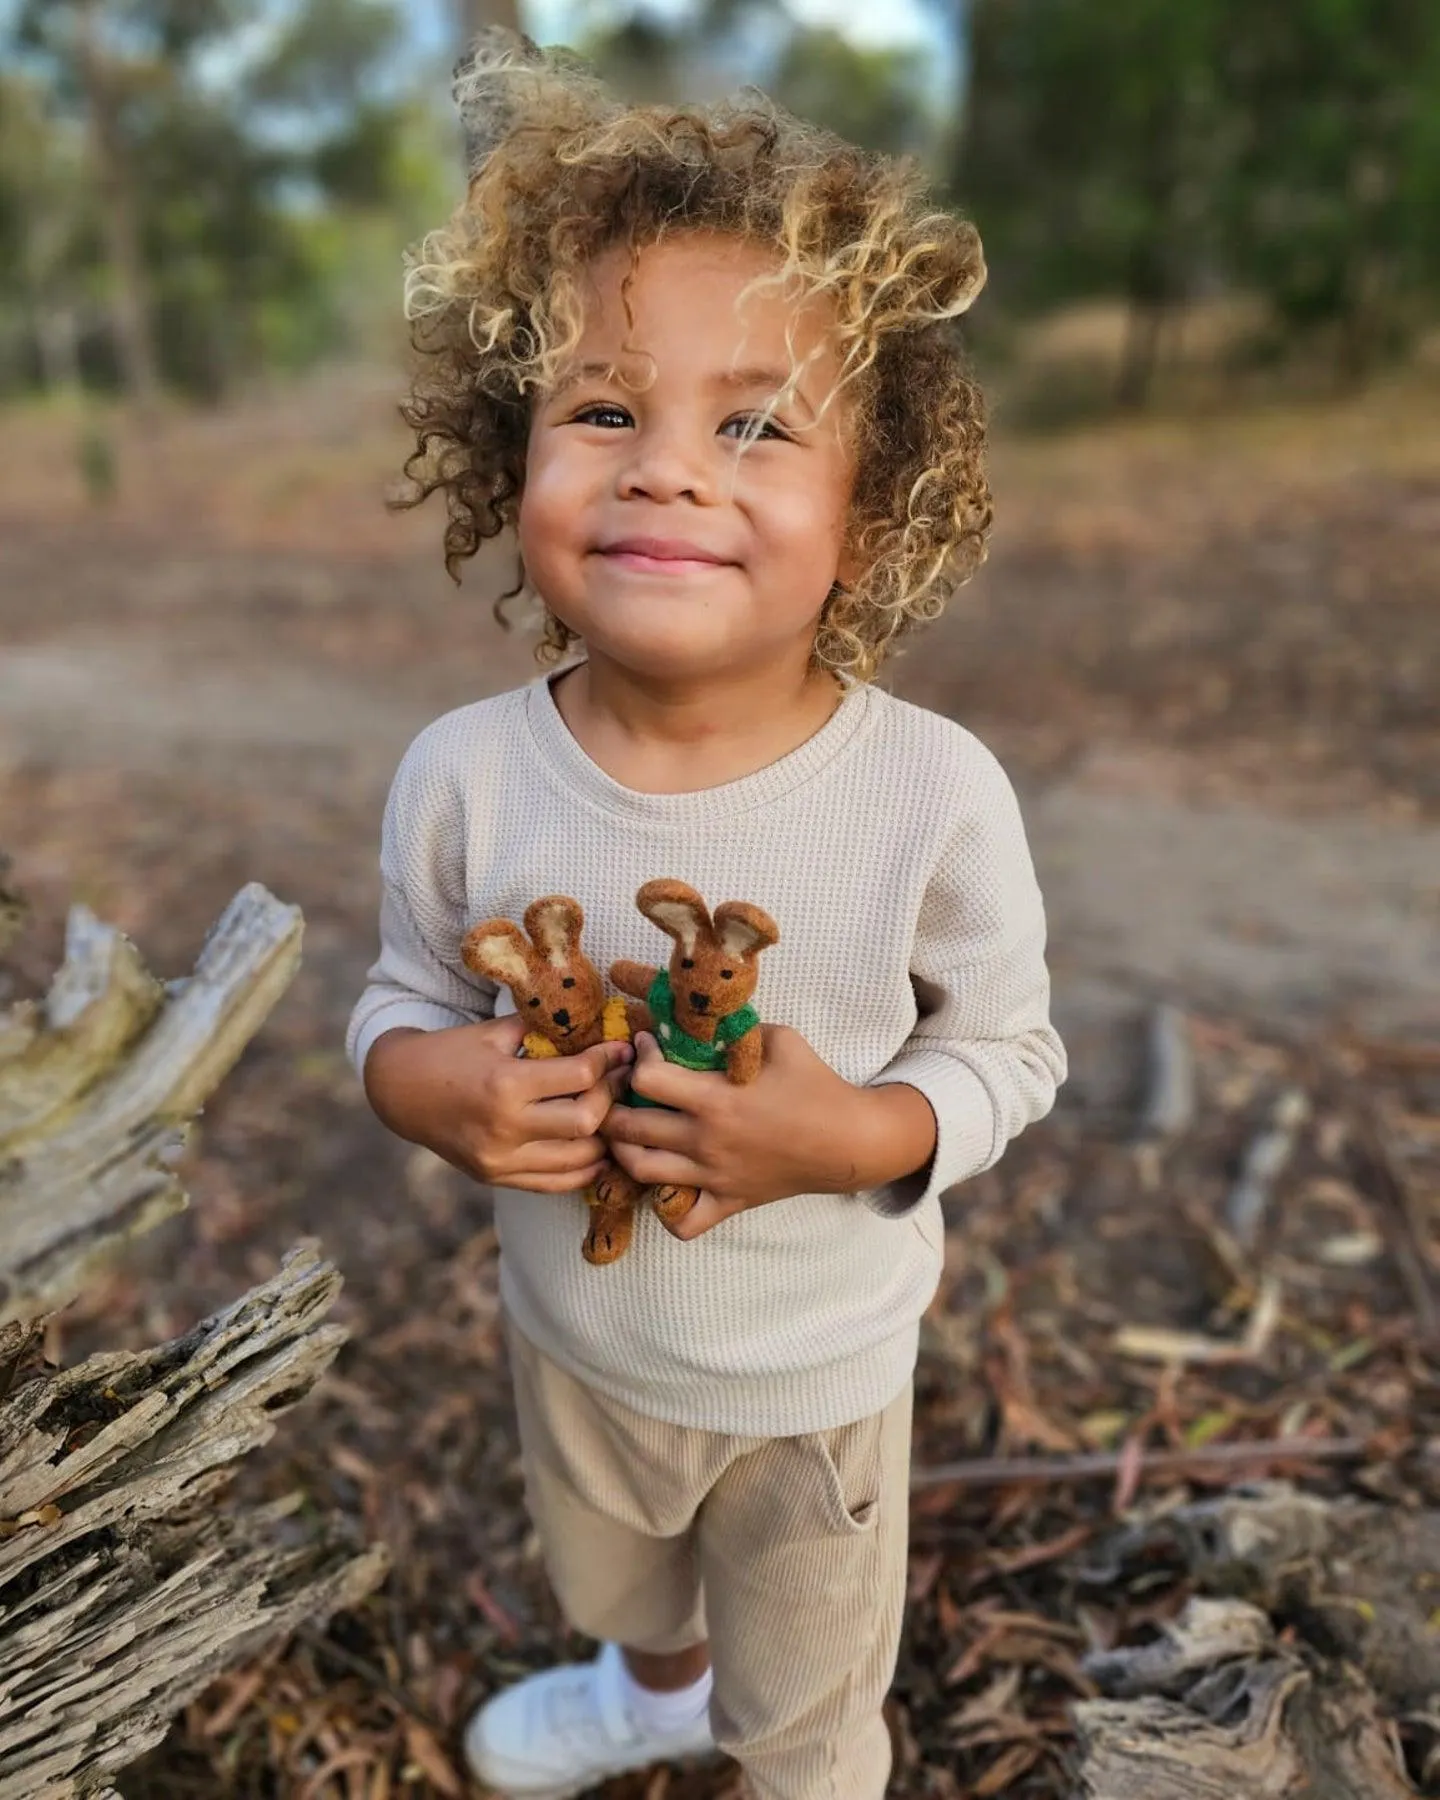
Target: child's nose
(664, 466)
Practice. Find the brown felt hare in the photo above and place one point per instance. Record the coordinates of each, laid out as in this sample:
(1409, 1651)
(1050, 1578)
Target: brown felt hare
(560, 995)
(699, 1008)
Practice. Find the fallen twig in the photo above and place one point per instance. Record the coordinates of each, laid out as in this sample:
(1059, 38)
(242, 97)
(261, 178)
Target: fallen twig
(1032, 1471)
(1157, 1343)
(1265, 1157)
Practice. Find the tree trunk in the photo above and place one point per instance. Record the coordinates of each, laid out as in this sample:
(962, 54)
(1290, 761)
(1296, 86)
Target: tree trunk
(119, 215)
(124, 1587)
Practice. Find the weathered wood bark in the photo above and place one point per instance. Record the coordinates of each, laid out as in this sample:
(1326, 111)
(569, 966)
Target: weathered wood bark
(98, 1082)
(1218, 1710)
(1357, 1581)
(124, 1588)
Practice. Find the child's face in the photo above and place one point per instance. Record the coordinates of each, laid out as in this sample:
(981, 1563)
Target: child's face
(642, 526)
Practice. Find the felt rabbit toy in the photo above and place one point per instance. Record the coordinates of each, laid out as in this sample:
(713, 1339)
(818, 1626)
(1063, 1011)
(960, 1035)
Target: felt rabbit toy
(699, 1008)
(558, 991)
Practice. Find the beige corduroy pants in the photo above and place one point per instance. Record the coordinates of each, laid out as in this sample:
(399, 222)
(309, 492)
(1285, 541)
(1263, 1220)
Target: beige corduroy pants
(789, 1554)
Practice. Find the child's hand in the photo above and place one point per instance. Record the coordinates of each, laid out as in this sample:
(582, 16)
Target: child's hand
(798, 1128)
(514, 1122)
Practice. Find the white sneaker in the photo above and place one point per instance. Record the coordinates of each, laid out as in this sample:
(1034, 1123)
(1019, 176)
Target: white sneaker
(555, 1734)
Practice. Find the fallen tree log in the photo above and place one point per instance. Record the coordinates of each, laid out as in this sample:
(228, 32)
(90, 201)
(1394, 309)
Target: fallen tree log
(99, 1082)
(1356, 1580)
(124, 1587)
(1217, 1709)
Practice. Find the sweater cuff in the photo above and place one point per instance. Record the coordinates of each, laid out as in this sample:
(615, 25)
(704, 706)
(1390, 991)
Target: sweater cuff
(419, 1015)
(964, 1129)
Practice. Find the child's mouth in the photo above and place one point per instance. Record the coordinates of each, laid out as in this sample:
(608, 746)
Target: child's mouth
(662, 556)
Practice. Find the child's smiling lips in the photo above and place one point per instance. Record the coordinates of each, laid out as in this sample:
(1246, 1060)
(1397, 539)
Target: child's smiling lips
(666, 556)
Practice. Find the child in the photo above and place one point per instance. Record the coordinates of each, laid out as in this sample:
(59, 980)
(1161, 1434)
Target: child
(704, 361)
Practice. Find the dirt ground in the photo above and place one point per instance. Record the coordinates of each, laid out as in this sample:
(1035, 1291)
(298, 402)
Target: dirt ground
(1208, 654)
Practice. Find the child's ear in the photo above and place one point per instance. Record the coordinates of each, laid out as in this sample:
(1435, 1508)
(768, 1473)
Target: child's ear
(499, 951)
(743, 929)
(555, 923)
(676, 909)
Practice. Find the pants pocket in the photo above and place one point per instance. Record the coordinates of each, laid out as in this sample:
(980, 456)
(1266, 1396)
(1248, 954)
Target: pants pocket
(850, 1469)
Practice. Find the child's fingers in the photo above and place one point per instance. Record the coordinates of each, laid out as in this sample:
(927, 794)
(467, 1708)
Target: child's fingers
(549, 1077)
(656, 1079)
(650, 1129)
(537, 1182)
(549, 1156)
(504, 1035)
(658, 1167)
(578, 1117)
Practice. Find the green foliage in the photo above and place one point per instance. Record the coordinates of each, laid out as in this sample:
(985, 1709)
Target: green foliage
(47, 235)
(245, 161)
(1291, 147)
(1335, 188)
(1091, 135)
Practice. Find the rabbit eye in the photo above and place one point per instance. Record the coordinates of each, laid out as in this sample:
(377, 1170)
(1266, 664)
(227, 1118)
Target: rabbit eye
(727, 974)
(687, 962)
(569, 981)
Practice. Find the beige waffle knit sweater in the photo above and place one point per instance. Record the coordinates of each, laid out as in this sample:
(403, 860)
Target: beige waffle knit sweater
(889, 848)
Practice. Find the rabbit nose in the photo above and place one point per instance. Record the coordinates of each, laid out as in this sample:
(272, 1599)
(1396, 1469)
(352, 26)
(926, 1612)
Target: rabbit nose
(562, 1017)
(701, 1002)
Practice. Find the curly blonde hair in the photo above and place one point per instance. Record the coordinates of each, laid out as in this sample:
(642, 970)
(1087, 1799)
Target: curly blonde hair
(561, 171)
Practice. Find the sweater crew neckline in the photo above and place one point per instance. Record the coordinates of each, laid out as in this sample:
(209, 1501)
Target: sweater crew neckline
(561, 752)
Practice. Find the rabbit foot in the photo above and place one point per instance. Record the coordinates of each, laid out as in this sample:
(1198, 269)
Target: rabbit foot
(672, 1203)
(607, 1240)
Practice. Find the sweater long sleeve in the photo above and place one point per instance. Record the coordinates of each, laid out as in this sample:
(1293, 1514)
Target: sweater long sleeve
(983, 1051)
(418, 979)
(889, 849)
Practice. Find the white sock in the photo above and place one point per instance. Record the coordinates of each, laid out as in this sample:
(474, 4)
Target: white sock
(661, 1715)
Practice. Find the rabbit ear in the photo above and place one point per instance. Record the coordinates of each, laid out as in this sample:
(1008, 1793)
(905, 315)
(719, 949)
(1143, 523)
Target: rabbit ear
(676, 909)
(498, 950)
(555, 923)
(743, 929)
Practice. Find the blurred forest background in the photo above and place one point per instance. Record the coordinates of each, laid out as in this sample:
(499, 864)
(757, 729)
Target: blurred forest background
(1205, 646)
(197, 193)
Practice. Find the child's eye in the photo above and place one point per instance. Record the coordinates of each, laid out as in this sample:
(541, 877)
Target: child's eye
(751, 426)
(604, 414)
